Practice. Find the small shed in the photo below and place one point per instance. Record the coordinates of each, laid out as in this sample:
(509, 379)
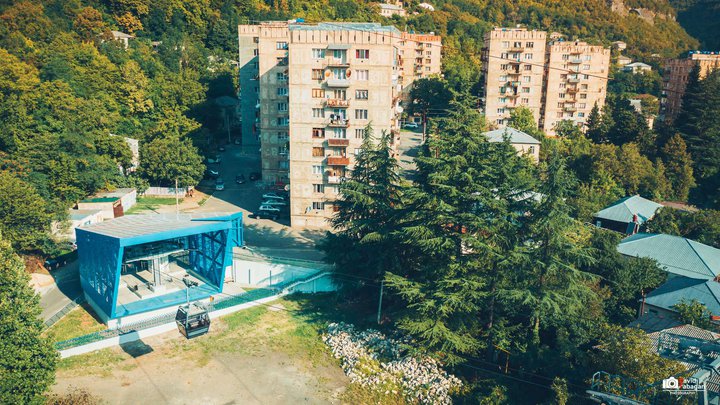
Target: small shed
(112, 204)
(626, 215)
(522, 142)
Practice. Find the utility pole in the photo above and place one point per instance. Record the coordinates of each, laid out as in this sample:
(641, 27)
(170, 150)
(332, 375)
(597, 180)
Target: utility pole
(424, 134)
(177, 200)
(382, 285)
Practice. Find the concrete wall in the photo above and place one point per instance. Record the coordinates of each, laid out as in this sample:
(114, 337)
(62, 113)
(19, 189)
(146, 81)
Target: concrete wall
(264, 274)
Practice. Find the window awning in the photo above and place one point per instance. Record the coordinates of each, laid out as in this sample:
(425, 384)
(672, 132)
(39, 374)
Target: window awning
(338, 46)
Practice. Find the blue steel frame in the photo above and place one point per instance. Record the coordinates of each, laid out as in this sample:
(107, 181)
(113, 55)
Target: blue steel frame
(101, 259)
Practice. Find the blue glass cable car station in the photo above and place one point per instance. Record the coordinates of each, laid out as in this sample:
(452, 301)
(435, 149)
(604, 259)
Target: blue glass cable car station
(137, 264)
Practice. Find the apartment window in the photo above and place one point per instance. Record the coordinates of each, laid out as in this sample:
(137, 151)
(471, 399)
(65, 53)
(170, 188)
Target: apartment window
(318, 93)
(282, 91)
(526, 79)
(318, 188)
(362, 53)
(587, 57)
(526, 89)
(317, 74)
(560, 114)
(586, 67)
(318, 53)
(340, 94)
(528, 56)
(500, 110)
(500, 121)
(361, 94)
(362, 74)
(502, 89)
(282, 107)
(283, 136)
(256, 40)
(561, 95)
(281, 45)
(332, 189)
(563, 76)
(318, 205)
(282, 61)
(505, 44)
(256, 52)
(528, 67)
(283, 121)
(563, 85)
(581, 115)
(339, 133)
(502, 100)
(586, 77)
(531, 149)
(525, 100)
(566, 57)
(359, 133)
(317, 169)
(318, 112)
(504, 55)
(583, 96)
(285, 164)
(428, 53)
(529, 44)
(561, 105)
(584, 86)
(361, 114)
(504, 67)
(256, 90)
(502, 78)
(281, 76)
(318, 151)
(427, 61)
(582, 105)
(318, 132)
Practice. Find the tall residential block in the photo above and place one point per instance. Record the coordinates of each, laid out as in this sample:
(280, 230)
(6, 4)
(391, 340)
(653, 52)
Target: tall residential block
(558, 81)
(420, 56)
(513, 70)
(576, 80)
(314, 90)
(675, 79)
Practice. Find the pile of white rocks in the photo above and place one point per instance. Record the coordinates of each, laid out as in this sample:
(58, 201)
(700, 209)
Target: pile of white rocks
(422, 380)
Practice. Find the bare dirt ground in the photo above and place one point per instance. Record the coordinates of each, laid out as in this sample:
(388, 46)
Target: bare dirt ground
(251, 357)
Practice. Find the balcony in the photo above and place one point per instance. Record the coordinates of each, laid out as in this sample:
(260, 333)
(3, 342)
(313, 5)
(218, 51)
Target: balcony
(514, 61)
(338, 142)
(575, 52)
(511, 95)
(517, 48)
(337, 102)
(571, 90)
(335, 179)
(513, 73)
(575, 61)
(338, 123)
(338, 161)
(573, 80)
(514, 83)
(333, 82)
(570, 108)
(336, 62)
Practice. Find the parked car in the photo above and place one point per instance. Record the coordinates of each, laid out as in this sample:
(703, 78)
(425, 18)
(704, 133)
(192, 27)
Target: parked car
(216, 159)
(412, 125)
(219, 185)
(274, 203)
(212, 173)
(254, 176)
(221, 149)
(240, 179)
(266, 215)
(267, 211)
(237, 141)
(273, 196)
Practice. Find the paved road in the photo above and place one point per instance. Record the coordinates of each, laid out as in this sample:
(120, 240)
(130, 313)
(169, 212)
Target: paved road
(67, 288)
(409, 148)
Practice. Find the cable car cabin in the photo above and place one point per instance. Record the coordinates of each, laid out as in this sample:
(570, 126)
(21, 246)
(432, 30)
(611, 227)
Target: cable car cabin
(192, 320)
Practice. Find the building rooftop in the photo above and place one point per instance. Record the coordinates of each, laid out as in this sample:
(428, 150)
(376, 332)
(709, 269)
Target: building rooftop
(515, 136)
(707, 292)
(130, 226)
(625, 208)
(675, 254)
(347, 26)
(120, 35)
(387, 6)
(638, 64)
(77, 215)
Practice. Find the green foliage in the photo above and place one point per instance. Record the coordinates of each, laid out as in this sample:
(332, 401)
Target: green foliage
(636, 83)
(24, 217)
(693, 313)
(700, 129)
(429, 96)
(679, 168)
(27, 361)
(168, 159)
(522, 119)
(702, 226)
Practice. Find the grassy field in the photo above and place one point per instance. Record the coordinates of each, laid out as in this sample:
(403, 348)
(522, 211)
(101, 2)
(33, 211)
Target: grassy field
(290, 328)
(80, 321)
(150, 204)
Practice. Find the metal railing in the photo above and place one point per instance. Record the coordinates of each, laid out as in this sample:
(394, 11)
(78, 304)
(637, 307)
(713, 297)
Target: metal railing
(64, 311)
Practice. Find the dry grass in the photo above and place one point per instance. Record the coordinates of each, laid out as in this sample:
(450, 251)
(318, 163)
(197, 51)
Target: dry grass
(80, 321)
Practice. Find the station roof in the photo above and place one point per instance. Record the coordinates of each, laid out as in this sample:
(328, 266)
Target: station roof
(675, 254)
(623, 210)
(516, 136)
(162, 226)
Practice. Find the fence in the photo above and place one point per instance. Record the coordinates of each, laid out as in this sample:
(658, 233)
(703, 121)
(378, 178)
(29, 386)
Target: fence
(166, 191)
(67, 308)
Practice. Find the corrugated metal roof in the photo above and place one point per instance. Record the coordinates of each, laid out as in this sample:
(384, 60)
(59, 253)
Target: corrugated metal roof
(623, 210)
(707, 292)
(129, 226)
(515, 135)
(82, 214)
(674, 254)
(345, 26)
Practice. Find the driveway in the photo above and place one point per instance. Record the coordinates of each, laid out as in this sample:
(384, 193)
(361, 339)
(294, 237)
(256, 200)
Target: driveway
(66, 288)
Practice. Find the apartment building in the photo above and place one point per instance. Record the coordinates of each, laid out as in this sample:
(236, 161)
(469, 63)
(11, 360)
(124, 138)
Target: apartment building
(513, 69)
(675, 78)
(420, 56)
(558, 81)
(309, 91)
(575, 80)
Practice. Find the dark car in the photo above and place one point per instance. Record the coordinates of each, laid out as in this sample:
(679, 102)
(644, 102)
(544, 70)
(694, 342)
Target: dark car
(221, 149)
(262, 214)
(240, 179)
(255, 176)
(212, 173)
(52, 264)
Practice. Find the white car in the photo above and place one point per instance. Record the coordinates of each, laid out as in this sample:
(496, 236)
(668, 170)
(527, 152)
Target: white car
(269, 208)
(274, 203)
(412, 125)
(273, 196)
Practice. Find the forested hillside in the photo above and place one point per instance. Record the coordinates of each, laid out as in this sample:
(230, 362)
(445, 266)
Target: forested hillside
(701, 19)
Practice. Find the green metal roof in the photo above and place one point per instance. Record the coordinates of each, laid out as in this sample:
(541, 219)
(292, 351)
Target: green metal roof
(516, 136)
(707, 292)
(623, 210)
(674, 254)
